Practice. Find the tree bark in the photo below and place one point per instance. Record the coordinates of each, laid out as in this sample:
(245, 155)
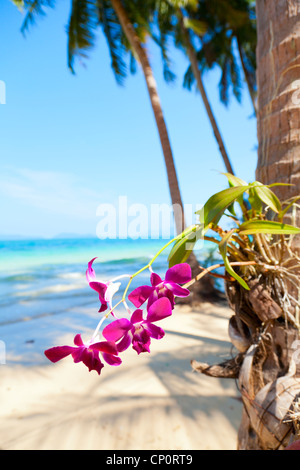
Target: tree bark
(278, 73)
(265, 382)
(197, 74)
(157, 110)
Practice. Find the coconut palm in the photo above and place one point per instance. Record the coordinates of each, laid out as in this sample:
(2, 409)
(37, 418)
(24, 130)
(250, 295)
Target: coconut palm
(191, 52)
(265, 326)
(213, 32)
(125, 29)
(230, 37)
(278, 64)
(278, 96)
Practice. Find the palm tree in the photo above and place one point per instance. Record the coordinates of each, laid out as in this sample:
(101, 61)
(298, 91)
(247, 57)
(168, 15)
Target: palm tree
(206, 288)
(117, 19)
(278, 65)
(191, 52)
(126, 28)
(267, 365)
(142, 56)
(224, 29)
(230, 35)
(278, 102)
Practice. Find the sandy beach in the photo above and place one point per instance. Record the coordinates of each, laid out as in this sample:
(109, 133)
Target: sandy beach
(151, 402)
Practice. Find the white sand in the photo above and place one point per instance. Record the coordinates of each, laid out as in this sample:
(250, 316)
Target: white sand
(150, 402)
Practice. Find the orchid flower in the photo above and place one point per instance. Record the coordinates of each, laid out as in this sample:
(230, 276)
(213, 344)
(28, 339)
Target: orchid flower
(170, 288)
(106, 290)
(139, 331)
(88, 353)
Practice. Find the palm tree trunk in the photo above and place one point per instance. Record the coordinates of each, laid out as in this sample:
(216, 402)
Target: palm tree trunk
(267, 367)
(194, 64)
(158, 113)
(204, 290)
(278, 125)
(278, 72)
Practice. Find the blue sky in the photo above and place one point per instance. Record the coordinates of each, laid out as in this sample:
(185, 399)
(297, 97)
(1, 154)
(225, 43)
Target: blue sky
(70, 143)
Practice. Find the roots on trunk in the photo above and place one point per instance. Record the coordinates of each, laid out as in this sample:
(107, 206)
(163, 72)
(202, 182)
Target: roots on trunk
(264, 328)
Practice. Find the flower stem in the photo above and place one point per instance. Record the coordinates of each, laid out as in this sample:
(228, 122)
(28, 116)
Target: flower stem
(148, 266)
(216, 266)
(131, 277)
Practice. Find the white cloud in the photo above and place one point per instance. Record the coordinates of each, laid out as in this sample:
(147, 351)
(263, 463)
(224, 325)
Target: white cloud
(54, 192)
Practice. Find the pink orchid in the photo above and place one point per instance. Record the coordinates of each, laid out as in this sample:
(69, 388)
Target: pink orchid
(88, 353)
(106, 290)
(170, 288)
(139, 331)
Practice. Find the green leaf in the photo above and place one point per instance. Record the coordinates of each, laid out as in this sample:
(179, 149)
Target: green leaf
(265, 226)
(234, 180)
(18, 3)
(183, 247)
(255, 201)
(199, 27)
(184, 3)
(267, 196)
(214, 208)
(223, 251)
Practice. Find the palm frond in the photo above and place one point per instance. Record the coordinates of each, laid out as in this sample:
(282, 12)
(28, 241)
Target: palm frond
(117, 42)
(34, 8)
(224, 81)
(18, 3)
(81, 29)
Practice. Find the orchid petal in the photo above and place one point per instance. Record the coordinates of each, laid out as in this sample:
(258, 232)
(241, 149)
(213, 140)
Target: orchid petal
(155, 279)
(99, 287)
(180, 273)
(108, 347)
(159, 310)
(92, 361)
(78, 340)
(170, 296)
(159, 294)
(78, 354)
(153, 298)
(58, 352)
(139, 295)
(155, 331)
(141, 347)
(103, 307)
(177, 290)
(137, 316)
(115, 330)
(90, 273)
(112, 360)
(124, 343)
(141, 335)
